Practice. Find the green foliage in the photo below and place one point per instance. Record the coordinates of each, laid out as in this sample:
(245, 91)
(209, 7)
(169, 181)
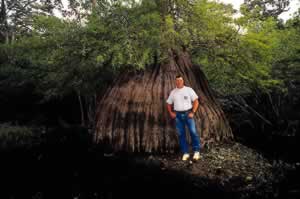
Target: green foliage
(258, 46)
(130, 34)
(265, 8)
(13, 136)
(244, 59)
(62, 56)
(286, 66)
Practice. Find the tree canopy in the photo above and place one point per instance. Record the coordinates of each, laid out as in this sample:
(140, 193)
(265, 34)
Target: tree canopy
(101, 38)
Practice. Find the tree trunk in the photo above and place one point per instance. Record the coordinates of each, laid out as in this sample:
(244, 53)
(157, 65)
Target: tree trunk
(90, 111)
(81, 109)
(132, 115)
(3, 23)
(94, 3)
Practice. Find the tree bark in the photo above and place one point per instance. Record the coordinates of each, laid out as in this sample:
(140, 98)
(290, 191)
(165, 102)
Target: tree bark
(94, 3)
(81, 109)
(132, 116)
(3, 21)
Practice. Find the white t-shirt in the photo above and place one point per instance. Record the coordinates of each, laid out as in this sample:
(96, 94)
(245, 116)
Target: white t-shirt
(182, 98)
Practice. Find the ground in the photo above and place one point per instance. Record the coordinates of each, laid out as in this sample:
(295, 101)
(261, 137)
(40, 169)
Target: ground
(231, 168)
(53, 170)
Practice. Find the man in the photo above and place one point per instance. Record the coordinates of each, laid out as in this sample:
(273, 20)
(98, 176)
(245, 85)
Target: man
(185, 102)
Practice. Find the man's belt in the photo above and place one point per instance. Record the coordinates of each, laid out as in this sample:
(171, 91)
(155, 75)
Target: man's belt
(184, 111)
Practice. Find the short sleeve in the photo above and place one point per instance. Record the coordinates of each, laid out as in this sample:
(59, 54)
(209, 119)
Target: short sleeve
(170, 99)
(193, 95)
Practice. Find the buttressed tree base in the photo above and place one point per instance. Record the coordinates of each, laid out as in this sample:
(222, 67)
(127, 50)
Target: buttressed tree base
(132, 115)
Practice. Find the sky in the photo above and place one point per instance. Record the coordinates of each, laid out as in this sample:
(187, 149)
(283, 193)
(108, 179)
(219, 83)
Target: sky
(294, 6)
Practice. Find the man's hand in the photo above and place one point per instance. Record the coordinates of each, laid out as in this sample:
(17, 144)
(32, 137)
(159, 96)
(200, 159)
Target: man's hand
(191, 115)
(172, 115)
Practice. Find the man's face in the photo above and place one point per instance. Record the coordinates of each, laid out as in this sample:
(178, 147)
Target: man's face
(179, 82)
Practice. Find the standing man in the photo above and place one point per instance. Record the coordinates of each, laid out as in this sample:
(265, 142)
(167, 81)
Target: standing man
(185, 102)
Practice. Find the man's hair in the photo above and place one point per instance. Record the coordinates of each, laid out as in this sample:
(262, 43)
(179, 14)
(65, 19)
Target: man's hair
(179, 76)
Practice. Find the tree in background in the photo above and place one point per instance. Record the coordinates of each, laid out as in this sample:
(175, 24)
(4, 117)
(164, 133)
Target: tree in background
(16, 16)
(286, 66)
(265, 8)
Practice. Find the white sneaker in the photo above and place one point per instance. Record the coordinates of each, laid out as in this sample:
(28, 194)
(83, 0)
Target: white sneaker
(196, 155)
(185, 157)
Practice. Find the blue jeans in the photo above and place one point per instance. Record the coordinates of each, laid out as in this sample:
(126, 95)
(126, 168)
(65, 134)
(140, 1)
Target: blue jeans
(182, 119)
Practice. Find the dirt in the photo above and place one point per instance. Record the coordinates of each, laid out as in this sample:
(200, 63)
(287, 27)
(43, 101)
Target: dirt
(232, 168)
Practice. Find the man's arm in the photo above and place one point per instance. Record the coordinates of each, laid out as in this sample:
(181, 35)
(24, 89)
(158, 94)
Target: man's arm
(195, 105)
(194, 109)
(171, 113)
(195, 99)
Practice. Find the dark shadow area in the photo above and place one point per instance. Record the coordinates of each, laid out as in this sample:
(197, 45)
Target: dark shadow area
(267, 122)
(65, 164)
(24, 106)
